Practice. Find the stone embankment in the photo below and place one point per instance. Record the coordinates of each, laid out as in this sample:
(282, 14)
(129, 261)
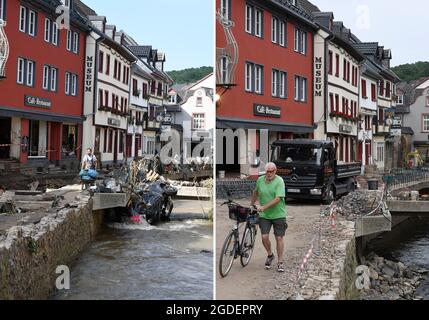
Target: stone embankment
(31, 253)
(332, 272)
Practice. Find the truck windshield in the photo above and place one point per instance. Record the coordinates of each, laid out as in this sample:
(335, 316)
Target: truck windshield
(297, 154)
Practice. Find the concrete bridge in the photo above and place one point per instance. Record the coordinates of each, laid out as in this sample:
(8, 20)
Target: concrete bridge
(396, 211)
(406, 207)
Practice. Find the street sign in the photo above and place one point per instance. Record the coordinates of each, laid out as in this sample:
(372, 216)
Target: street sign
(397, 121)
(396, 132)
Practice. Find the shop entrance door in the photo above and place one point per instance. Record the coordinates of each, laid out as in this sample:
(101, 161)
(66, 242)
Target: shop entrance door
(5, 141)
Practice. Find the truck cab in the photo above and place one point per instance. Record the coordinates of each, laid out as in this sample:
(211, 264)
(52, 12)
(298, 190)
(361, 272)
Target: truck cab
(310, 169)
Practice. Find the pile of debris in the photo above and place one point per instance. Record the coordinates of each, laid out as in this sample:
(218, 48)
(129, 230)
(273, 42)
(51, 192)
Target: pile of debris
(392, 280)
(359, 203)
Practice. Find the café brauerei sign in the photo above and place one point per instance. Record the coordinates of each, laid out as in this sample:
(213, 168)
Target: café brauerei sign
(261, 110)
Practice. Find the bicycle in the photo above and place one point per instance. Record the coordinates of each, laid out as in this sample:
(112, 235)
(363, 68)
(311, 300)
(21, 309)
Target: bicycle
(232, 248)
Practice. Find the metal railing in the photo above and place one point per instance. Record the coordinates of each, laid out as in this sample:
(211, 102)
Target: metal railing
(403, 178)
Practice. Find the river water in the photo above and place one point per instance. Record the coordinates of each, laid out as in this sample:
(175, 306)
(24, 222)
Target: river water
(172, 261)
(408, 243)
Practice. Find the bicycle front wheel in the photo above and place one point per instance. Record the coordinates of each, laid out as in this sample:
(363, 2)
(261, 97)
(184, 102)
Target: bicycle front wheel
(228, 254)
(248, 244)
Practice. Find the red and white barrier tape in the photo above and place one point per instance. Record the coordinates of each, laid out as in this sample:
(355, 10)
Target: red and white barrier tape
(332, 222)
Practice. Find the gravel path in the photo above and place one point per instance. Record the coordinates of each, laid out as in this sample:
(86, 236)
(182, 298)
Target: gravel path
(254, 282)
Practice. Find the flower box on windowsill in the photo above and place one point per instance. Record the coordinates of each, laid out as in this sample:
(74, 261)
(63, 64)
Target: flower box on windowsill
(336, 114)
(104, 109)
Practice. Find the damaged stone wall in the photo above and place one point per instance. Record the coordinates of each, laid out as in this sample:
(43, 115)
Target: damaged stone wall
(30, 255)
(348, 290)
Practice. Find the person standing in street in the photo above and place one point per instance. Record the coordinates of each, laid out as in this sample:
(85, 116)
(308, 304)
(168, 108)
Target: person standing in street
(271, 193)
(89, 161)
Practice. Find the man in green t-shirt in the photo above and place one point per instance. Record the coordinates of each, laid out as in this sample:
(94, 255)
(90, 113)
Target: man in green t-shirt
(271, 193)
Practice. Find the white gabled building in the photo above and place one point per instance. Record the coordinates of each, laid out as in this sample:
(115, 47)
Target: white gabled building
(384, 156)
(337, 77)
(137, 124)
(196, 114)
(107, 92)
(367, 111)
(153, 63)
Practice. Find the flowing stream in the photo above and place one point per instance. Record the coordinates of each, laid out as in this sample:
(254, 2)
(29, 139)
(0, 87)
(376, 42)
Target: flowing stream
(140, 262)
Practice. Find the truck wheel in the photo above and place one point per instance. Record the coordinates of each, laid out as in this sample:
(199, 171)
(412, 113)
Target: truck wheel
(329, 196)
(352, 187)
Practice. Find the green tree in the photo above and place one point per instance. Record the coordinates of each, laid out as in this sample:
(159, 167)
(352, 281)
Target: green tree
(412, 71)
(189, 75)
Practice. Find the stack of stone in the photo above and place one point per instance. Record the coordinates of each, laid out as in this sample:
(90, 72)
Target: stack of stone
(392, 280)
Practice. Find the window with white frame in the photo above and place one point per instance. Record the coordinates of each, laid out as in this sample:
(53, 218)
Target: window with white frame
(282, 33)
(279, 84)
(427, 101)
(51, 32)
(300, 41)
(283, 85)
(258, 78)
(248, 76)
(278, 31)
(224, 70)
(150, 145)
(300, 89)
(55, 34)
(75, 43)
(254, 20)
(254, 77)
(225, 9)
(31, 23)
(30, 73)
(71, 84)
(25, 72)
(173, 99)
(22, 18)
(380, 152)
(258, 22)
(249, 18)
(400, 99)
(20, 71)
(199, 101)
(69, 40)
(50, 78)
(274, 83)
(426, 123)
(66, 3)
(27, 21)
(274, 29)
(198, 121)
(3, 9)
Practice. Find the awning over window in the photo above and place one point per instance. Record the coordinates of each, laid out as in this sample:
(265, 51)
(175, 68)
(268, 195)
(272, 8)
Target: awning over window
(224, 123)
(34, 115)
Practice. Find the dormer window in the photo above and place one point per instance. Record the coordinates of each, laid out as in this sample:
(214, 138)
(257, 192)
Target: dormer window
(173, 99)
(66, 3)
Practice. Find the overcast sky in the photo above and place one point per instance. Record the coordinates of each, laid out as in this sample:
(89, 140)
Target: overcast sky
(400, 26)
(181, 29)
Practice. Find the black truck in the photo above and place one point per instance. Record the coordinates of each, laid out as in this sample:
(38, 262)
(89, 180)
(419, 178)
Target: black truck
(310, 170)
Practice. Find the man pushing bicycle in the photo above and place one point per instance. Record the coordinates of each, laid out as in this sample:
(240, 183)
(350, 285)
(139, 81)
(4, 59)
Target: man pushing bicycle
(271, 193)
